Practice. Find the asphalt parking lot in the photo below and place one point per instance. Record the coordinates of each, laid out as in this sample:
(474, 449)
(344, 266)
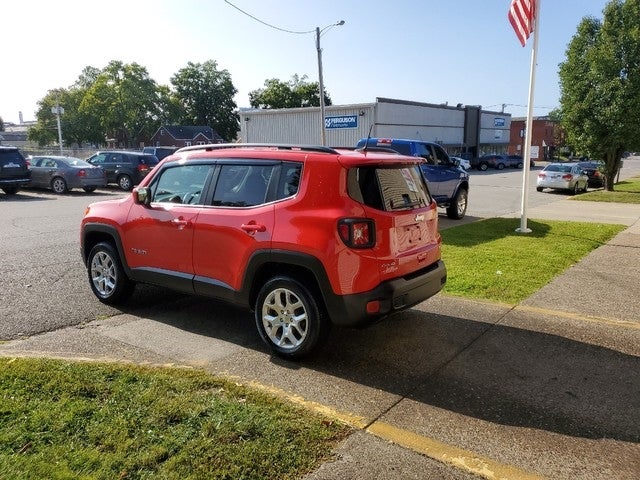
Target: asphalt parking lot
(450, 389)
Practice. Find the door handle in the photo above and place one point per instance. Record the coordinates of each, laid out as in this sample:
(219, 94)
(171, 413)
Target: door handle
(180, 223)
(253, 228)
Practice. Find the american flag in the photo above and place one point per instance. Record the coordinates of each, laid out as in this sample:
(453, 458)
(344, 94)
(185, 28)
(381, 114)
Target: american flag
(522, 15)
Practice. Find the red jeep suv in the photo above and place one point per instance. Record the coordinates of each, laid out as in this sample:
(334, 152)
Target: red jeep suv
(305, 236)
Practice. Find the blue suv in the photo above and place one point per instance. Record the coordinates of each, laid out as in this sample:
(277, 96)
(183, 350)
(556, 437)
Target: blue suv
(448, 183)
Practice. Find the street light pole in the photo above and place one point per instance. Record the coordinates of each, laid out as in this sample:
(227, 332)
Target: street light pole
(319, 31)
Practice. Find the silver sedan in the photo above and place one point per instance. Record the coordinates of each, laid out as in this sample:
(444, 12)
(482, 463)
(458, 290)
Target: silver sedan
(563, 176)
(61, 174)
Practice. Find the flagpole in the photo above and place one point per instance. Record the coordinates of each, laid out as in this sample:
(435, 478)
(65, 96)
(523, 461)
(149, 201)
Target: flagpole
(529, 126)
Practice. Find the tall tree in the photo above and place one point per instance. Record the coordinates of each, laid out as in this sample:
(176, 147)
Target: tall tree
(206, 95)
(600, 86)
(125, 99)
(297, 92)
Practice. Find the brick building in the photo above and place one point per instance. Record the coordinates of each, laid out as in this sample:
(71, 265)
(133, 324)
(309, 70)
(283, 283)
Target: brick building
(546, 136)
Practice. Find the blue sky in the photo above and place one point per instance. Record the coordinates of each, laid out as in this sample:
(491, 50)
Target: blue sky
(455, 51)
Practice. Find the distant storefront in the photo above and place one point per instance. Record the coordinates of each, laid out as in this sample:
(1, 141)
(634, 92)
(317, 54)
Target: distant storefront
(463, 130)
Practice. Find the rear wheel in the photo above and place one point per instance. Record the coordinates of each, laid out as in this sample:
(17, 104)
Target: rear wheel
(483, 167)
(288, 318)
(458, 206)
(539, 189)
(89, 189)
(125, 183)
(500, 166)
(576, 188)
(10, 190)
(107, 278)
(58, 185)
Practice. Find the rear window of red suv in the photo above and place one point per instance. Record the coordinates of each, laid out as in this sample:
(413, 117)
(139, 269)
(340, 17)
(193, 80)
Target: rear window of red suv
(389, 188)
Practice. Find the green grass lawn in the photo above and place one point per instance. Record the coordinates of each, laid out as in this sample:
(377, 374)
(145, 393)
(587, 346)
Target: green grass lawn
(627, 191)
(65, 420)
(489, 260)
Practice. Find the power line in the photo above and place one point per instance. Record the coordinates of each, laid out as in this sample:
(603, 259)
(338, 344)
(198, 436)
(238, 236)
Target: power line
(268, 24)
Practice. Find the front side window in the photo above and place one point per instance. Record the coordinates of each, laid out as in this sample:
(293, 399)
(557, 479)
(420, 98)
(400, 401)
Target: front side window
(181, 184)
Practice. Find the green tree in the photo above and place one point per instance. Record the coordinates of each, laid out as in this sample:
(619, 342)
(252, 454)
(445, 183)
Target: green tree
(206, 97)
(126, 101)
(600, 86)
(297, 92)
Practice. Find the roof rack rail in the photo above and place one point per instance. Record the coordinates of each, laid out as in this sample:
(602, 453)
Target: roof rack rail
(219, 146)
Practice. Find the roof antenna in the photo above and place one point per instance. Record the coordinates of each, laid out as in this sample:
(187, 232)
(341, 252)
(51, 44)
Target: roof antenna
(366, 144)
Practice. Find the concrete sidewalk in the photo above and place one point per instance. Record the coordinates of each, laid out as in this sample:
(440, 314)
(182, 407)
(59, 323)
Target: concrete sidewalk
(403, 430)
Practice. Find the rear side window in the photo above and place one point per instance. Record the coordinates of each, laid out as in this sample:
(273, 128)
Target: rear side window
(242, 185)
(389, 189)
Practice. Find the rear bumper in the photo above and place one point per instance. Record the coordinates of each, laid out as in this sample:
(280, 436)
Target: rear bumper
(393, 296)
(15, 182)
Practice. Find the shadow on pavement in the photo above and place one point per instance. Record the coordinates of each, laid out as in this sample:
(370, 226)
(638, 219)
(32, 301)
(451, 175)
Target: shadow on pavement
(510, 376)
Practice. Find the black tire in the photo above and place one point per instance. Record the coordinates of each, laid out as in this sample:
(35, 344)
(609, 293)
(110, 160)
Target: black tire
(125, 182)
(10, 190)
(58, 185)
(483, 167)
(520, 165)
(107, 278)
(279, 302)
(500, 166)
(89, 189)
(576, 189)
(458, 206)
(539, 189)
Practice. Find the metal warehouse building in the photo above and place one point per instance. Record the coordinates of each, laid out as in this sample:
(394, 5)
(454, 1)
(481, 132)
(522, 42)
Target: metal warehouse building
(463, 129)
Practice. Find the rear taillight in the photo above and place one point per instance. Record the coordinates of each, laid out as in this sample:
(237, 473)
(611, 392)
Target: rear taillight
(567, 176)
(143, 168)
(82, 173)
(357, 232)
(542, 175)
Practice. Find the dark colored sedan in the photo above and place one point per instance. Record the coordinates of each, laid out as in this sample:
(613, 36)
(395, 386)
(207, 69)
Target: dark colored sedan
(61, 174)
(596, 179)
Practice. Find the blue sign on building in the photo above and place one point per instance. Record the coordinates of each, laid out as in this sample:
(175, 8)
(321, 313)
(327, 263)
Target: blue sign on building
(342, 121)
(498, 122)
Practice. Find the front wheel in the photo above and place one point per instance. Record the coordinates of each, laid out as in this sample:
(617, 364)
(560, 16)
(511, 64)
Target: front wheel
(458, 206)
(500, 166)
(288, 318)
(539, 189)
(483, 167)
(107, 278)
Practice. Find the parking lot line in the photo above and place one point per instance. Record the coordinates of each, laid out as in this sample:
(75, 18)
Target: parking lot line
(465, 460)
(582, 317)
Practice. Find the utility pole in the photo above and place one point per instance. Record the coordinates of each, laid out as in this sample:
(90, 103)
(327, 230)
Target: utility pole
(58, 110)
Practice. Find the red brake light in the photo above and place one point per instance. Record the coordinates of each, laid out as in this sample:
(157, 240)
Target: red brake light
(82, 173)
(542, 175)
(357, 232)
(143, 168)
(567, 176)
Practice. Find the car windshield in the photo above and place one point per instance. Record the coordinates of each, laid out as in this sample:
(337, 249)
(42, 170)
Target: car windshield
(76, 162)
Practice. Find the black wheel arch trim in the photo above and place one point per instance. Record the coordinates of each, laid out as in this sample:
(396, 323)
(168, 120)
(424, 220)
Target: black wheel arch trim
(103, 229)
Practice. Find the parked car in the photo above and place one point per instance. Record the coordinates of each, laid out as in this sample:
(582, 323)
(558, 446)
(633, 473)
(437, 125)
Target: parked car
(593, 169)
(305, 236)
(124, 168)
(160, 152)
(517, 161)
(62, 174)
(497, 161)
(462, 163)
(563, 176)
(448, 183)
(14, 170)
